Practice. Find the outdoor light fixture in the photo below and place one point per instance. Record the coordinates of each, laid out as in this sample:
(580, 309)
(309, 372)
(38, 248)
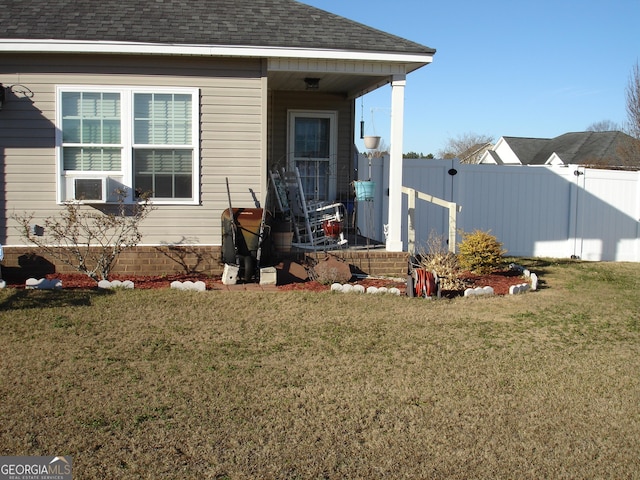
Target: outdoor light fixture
(2, 95)
(312, 83)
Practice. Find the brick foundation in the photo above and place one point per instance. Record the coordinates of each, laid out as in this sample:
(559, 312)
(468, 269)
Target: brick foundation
(375, 262)
(21, 263)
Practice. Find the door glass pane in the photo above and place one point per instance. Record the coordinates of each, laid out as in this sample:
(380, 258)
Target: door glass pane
(312, 137)
(312, 152)
(314, 175)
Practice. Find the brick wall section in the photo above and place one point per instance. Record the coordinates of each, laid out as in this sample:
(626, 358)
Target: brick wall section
(23, 263)
(379, 263)
(372, 262)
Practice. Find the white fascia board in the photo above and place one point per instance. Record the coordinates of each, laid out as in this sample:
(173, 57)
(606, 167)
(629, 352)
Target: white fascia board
(132, 48)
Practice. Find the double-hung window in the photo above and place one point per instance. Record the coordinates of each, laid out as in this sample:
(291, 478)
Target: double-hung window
(139, 140)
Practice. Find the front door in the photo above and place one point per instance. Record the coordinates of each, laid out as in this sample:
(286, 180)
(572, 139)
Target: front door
(313, 150)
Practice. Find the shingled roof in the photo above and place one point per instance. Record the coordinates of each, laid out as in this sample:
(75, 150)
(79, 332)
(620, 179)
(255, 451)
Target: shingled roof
(580, 148)
(526, 148)
(584, 148)
(253, 23)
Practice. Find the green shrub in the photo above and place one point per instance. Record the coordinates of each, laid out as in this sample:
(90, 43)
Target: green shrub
(480, 252)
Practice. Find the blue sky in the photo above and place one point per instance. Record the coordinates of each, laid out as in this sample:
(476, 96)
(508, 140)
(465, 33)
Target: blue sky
(503, 68)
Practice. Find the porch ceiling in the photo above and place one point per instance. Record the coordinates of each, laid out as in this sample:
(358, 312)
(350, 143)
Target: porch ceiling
(345, 76)
(351, 86)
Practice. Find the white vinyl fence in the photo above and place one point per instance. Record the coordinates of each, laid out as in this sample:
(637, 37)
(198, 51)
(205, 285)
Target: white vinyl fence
(541, 211)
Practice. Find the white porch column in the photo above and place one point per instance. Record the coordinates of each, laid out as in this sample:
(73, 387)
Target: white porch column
(394, 237)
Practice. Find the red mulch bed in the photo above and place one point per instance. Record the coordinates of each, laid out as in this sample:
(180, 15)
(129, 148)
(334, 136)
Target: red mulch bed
(499, 281)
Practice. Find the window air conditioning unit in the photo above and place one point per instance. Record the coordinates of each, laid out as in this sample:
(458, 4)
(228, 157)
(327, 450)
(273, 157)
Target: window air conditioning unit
(90, 190)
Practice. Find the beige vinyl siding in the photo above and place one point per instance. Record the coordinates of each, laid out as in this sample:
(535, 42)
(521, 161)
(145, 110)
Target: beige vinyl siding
(231, 135)
(282, 102)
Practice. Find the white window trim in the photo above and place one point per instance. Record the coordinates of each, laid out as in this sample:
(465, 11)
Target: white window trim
(125, 175)
(332, 115)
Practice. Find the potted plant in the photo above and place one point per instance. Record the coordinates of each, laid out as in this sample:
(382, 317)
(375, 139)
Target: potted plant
(371, 142)
(365, 188)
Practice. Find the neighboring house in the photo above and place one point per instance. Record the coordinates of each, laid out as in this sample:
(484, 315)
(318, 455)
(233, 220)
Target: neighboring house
(576, 148)
(474, 153)
(176, 96)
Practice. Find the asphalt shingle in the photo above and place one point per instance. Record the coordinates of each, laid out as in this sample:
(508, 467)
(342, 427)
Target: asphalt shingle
(575, 147)
(258, 23)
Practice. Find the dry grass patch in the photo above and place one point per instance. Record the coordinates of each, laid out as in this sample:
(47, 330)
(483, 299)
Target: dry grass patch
(168, 384)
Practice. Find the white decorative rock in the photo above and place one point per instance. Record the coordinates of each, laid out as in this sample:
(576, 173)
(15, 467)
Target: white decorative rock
(42, 284)
(534, 281)
(478, 291)
(3, 284)
(516, 289)
(198, 286)
(106, 284)
(348, 288)
(188, 285)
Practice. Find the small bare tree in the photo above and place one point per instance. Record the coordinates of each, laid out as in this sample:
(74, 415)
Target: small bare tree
(633, 102)
(603, 126)
(467, 147)
(86, 239)
(629, 150)
(435, 256)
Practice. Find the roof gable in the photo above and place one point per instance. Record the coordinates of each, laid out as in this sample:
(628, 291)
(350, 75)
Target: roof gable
(526, 149)
(258, 23)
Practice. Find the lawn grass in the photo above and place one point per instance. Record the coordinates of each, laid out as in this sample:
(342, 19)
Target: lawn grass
(301, 385)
